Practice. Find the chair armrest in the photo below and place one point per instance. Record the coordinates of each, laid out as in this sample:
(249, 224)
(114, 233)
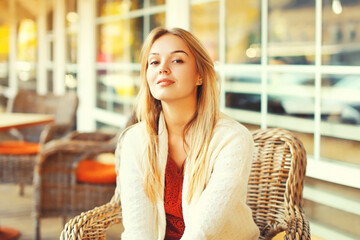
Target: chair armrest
(94, 223)
(96, 136)
(296, 226)
(54, 131)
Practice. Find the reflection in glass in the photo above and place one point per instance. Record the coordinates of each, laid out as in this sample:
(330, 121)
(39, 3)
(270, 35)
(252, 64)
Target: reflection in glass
(118, 40)
(26, 54)
(291, 105)
(156, 2)
(4, 53)
(117, 90)
(291, 32)
(341, 32)
(157, 20)
(243, 31)
(291, 94)
(4, 59)
(50, 75)
(341, 99)
(71, 19)
(340, 115)
(108, 8)
(243, 92)
(137, 38)
(135, 4)
(205, 26)
(245, 101)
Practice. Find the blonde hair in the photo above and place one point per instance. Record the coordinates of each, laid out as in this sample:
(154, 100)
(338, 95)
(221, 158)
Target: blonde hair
(197, 133)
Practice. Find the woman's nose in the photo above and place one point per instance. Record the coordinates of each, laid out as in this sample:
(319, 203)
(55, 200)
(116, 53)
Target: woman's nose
(164, 69)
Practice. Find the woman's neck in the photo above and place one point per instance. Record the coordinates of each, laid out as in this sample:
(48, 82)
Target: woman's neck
(177, 116)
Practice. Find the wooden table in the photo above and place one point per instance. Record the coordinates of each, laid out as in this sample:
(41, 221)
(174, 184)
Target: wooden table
(19, 120)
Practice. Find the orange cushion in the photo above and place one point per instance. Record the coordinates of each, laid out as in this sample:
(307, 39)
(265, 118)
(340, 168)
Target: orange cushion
(7, 233)
(18, 147)
(91, 171)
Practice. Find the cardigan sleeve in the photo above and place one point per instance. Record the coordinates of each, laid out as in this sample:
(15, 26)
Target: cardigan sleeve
(137, 210)
(225, 194)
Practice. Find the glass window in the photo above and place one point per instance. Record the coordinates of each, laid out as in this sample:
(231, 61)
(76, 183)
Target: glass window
(26, 54)
(50, 37)
(157, 20)
(291, 104)
(107, 8)
(341, 32)
(117, 40)
(156, 2)
(340, 115)
(4, 54)
(50, 48)
(291, 29)
(50, 81)
(71, 20)
(243, 97)
(117, 90)
(205, 26)
(243, 31)
(319, 104)
(4, 62)
(120, 34)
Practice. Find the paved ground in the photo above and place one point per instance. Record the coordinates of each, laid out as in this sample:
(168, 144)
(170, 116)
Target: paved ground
(16, 212)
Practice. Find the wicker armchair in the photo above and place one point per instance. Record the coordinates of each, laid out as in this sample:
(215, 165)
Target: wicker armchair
(274, 194)
(19, 168)
(57, 191)
(63, 107)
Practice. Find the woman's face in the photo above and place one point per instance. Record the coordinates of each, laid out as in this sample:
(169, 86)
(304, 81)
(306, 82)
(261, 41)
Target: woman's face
(172, 73)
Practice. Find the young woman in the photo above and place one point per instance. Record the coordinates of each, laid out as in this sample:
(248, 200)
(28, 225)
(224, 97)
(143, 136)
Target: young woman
(183, 169)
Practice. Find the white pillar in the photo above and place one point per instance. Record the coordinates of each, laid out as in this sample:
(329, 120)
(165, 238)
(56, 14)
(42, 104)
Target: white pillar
(178, 14)
(41, 82)
(86, 76)
(13, 83)
(59, 47)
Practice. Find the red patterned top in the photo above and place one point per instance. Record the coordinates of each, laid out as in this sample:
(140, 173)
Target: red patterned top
(172, 199)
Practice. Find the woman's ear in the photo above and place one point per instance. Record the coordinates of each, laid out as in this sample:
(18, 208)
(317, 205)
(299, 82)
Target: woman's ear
(199, 81)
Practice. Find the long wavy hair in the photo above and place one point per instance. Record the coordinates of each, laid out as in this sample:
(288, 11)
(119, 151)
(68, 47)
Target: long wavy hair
(197, 133)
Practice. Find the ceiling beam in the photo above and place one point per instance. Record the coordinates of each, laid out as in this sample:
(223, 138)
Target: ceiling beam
(4, 12)
(30, 5)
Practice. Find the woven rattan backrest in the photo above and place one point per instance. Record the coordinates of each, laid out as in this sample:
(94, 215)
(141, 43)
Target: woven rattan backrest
(276, 179)
(63, 107)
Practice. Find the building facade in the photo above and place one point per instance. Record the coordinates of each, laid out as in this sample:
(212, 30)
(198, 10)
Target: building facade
(293, 64)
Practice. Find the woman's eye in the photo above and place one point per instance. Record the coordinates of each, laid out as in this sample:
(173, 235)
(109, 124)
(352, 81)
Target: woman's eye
(178, 61)
(154, 62)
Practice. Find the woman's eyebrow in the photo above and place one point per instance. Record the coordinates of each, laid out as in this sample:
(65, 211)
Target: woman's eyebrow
(179, 51)
(176, 51)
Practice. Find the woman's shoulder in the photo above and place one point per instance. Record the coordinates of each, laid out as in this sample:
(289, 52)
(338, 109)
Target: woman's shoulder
(133, 133)
(229, 130)
(230, 125)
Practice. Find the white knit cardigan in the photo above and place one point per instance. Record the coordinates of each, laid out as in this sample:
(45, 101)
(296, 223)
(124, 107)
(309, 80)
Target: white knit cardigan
(220, 212)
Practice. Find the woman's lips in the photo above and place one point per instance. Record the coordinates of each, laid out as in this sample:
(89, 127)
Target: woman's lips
(164, 82)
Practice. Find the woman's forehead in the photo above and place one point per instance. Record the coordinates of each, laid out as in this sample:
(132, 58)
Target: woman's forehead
(169, 43)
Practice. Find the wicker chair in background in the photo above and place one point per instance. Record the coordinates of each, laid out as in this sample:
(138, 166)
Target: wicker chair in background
(57, 191)
(16, 168)
(275, 193)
